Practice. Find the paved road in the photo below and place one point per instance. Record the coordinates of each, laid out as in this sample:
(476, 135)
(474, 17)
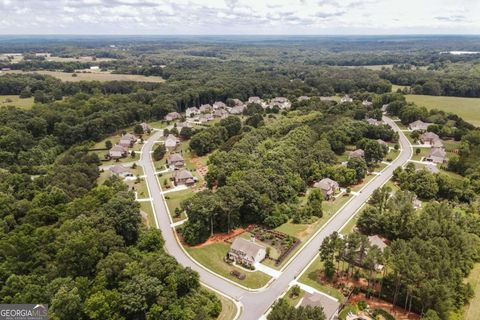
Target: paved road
(255, 304)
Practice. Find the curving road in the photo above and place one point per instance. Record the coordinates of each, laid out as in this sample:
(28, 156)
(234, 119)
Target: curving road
(256, 303)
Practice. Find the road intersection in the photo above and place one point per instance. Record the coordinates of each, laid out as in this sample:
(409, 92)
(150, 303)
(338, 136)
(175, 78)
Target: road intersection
(255, 303)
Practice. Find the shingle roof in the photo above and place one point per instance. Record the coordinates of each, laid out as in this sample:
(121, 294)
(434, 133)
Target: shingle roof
(118, 168)
(249, 248)
(182, 175)
(329, 305)
(175, 157)
(377, 241)
(326, 184)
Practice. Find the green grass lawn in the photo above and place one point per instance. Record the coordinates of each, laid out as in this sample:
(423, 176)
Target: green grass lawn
(396, 87)
(423, 153)
(467, 108)
(392, 155)
(12, 100)
(310, 278)
(147, 208)
(305, 231)
(293, 300)
(348, 228)
(229, 309)
(211, 256)
(174, 200)
(364, 182)
(472, 310)
(140, 187)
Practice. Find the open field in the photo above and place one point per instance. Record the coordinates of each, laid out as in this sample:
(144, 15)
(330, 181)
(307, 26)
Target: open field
(472, 310)
(93, 76)
(467, 108)
(211, 256)
(16, 101)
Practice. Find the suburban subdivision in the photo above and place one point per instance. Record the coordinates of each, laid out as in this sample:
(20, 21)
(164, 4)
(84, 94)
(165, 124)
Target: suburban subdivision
(240, 177)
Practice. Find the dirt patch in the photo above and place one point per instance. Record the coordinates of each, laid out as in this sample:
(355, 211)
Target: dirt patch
(374, 303)
(220, 237)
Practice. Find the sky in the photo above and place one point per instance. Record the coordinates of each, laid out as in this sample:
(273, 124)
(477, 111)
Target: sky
(199, 17)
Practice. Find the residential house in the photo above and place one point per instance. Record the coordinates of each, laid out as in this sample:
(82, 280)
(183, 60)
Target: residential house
(367, 103)
(374, 122)
(204, 118)
(255, 100)
(359, 153)
(171, 142)
(346, 99)
(145, 127)
(127, 140)
(237, 109)
(281, 102)
(220, 113)
(418, 125)
(175, 161)
(330, 306)
(238, 102)
(205, 108)
(417, 204)
(183, 177)
(431, 139)
(375, 240)
(117, 152)
(172, 116)
(245, 252)
(191, 112)
(303, 98)
(121, 171)
(436, 155)
(381, 142)
(219, 105)
(328, 186)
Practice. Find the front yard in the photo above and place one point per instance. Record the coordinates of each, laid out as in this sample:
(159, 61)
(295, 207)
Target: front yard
(311, 277)
(212, 257)
(174, 200)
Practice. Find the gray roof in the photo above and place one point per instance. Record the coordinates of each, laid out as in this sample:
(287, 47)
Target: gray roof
(118, 148)
(249, 248)
(357, 153)
(377, 241)
(437, 152)
(326, 184)
(171, 140)
(175, 157)
(129, 136)
(182, 175)
(118, 168)
(329, 305)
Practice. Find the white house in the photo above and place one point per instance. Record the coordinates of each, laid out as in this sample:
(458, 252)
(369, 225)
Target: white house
(246, 252)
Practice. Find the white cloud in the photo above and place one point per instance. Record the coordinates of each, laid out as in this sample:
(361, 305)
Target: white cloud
(240, 16)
